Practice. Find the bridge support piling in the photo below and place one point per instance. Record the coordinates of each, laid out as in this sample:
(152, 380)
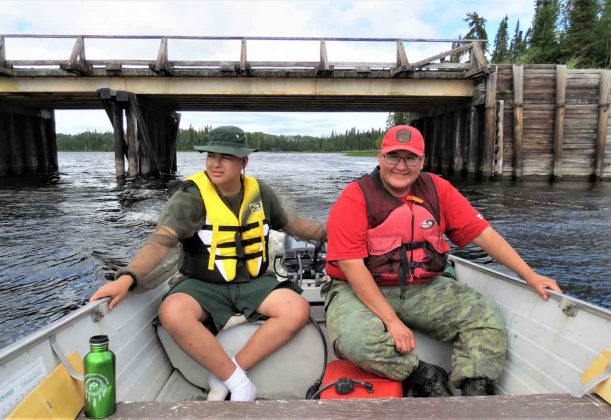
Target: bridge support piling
(151, 134)
(27, 141)
(117, 123)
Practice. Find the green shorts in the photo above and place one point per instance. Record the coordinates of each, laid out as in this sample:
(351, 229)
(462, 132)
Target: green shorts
(222, 301)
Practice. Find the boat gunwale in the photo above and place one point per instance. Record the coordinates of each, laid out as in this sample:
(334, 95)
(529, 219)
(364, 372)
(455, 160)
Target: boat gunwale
(560, 297)
(26, 343)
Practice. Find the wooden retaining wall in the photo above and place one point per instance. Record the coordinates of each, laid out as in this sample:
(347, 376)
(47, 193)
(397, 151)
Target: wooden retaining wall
(27, 141)
(543, 120)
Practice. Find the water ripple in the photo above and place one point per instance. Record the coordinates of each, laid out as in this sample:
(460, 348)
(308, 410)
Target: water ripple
(60, 238)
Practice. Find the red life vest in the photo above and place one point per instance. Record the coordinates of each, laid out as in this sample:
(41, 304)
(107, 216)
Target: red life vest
(405, 243)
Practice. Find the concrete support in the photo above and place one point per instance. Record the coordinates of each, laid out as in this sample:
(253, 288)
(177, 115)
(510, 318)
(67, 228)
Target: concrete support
(27, 141)
(151, 135)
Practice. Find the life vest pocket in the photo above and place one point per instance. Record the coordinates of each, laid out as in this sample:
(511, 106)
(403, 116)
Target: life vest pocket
(435, 239)
(382, 243)
(433, 260)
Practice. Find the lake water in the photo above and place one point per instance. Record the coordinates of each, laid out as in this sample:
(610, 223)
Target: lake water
(60, 238)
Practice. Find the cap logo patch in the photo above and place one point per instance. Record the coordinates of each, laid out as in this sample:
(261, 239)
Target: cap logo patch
(404, 136)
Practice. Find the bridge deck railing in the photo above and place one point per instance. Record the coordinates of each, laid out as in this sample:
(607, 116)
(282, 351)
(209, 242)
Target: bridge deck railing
(444, 64)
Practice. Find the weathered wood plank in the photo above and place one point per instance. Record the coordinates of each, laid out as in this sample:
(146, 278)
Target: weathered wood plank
(518, 114)
(459, 140)
(323, 66)
(402, 63)
(244, 65)
(490, 121)
(528, 406)
(132, 143)
(603, 118)
(441, 55)
(499, 146)
(162, 66)
(117, 124)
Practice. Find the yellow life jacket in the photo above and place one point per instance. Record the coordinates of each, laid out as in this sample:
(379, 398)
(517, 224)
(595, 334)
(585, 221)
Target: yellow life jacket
(228, 238)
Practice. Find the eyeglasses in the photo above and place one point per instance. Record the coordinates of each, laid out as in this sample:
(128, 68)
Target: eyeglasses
(222, 157)
(394, 159)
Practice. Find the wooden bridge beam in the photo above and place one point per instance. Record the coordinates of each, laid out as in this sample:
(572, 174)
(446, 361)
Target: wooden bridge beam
(242, 86)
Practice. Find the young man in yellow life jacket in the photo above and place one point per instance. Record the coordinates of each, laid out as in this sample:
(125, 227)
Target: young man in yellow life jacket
(222, 219)
(387, 254)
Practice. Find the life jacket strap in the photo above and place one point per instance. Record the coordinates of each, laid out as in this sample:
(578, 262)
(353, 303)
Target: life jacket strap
(245, 242)
(241, 229)
(215, 231)
(247, 256)
(262, 237)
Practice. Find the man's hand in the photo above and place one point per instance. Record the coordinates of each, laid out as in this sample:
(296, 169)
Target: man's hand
(116, 290)
(540, 283)
(403, 336)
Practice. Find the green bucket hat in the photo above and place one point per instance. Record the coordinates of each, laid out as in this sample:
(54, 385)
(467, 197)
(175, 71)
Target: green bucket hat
(226, 139)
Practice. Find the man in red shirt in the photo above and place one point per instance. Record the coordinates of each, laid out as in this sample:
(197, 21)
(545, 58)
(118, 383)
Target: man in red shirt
(387, 254)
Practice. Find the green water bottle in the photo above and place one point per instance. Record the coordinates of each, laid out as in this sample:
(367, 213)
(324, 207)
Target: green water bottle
(99, 363)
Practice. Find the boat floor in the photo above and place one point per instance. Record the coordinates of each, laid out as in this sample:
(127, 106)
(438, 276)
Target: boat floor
(498, 406)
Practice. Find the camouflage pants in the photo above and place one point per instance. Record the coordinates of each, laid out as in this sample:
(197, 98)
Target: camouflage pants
(442, 309)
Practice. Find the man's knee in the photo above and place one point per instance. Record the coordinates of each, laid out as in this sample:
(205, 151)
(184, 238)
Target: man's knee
(360, 345)
(296, 313)
(178, 311)
(287, 306)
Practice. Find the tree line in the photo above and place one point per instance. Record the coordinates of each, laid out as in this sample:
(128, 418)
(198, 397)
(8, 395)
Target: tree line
(350, 140)
(572, 32)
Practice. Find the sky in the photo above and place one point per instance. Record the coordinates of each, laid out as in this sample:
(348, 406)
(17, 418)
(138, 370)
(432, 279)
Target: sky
(339, 18)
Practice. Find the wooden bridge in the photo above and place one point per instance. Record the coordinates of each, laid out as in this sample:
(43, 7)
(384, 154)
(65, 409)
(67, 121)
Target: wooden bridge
(456, 104)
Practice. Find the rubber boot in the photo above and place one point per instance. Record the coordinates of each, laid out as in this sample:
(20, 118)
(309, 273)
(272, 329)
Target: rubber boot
(473, 387)
(429, 380)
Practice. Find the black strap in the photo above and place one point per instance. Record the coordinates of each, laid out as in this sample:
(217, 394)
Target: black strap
(415, 245)
(249, 256)
(403, 269)
(245, 242)
(242, 229)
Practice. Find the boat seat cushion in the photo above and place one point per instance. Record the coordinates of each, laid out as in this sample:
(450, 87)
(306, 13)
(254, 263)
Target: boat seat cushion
(285, 374)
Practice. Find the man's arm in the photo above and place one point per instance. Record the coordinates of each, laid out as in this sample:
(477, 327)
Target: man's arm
(369, 294)
(497, 247)
(153, 252)
(302, 228)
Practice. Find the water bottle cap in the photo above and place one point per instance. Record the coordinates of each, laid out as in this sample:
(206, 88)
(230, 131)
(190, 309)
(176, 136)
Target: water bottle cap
(99, 339)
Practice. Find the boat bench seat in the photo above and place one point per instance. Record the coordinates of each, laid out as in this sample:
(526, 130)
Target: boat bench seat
(285, 374)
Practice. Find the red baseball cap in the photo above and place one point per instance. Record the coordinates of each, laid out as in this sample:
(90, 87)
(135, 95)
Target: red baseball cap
(403, 137)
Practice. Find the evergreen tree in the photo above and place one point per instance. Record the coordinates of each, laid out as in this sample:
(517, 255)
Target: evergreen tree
(477, 29)
(455, 58)
(397, 118)
(602, 35)
(501, 52)
(517, 47)
(544, 36)
(579, 42)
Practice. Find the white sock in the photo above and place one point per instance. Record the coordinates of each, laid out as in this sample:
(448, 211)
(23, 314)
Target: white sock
(240, 386)
(218, 391)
